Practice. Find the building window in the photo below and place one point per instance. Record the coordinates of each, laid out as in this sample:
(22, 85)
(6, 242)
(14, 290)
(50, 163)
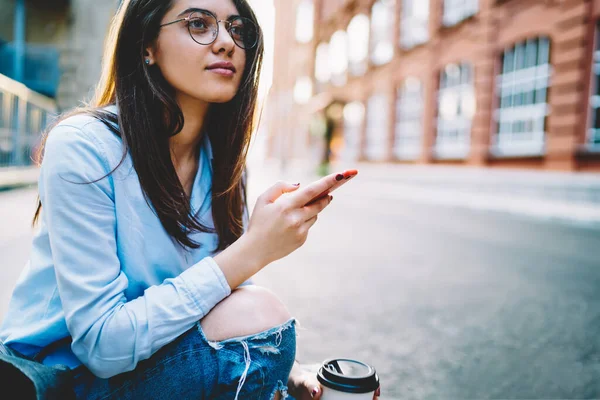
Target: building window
(458, 10)
(377, 123)
(523, 88)
(456, 104)
(414, 27)
(305, 17)
(322, 72)
(382, 31)
(338, 57)
(358, 44)
(409, 120)
(354, 114)
(594, 135)
(303, 90)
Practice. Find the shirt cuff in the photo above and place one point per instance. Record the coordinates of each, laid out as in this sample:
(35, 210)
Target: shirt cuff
(206, 284)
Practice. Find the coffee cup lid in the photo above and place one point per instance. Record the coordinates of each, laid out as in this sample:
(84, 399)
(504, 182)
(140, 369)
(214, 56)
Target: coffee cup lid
(348, 376)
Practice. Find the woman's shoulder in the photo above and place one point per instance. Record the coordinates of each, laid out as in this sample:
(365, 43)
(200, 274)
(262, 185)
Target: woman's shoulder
(86, 132)
(98, 124)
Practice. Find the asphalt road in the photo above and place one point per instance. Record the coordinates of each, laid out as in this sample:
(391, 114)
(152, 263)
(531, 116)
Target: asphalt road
(443, 302)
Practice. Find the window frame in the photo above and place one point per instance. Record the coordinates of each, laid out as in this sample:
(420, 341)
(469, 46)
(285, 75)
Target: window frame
(408, 124)
(593, 131)
(410, 24)
(353, 120)
(518, 108)
(386, 40)
(358, 67)
(302, 10)
(456, 11)
(448, 145)
(378, 100)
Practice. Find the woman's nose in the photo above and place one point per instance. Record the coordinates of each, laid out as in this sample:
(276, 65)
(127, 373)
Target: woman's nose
(224, 39)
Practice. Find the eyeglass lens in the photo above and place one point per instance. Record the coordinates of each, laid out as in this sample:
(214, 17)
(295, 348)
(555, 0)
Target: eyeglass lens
(203, 28)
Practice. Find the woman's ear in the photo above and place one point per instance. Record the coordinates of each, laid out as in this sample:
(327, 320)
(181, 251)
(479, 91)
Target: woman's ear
(149, 55)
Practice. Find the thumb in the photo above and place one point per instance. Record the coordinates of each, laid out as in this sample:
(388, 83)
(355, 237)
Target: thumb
(275, 191)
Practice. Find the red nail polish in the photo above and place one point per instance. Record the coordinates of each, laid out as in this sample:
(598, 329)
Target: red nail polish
(378, 392)
(339, 177)
(314, 392)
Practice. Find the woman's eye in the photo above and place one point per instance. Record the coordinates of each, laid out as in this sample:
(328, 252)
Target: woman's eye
(197, 24)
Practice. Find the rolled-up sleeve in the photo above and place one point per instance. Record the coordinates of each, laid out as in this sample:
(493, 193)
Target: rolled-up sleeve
(110, 334)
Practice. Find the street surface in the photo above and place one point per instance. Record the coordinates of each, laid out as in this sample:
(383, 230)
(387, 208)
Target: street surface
(444, 302)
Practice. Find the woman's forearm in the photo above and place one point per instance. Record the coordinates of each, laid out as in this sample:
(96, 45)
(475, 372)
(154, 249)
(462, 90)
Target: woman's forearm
(240, 261)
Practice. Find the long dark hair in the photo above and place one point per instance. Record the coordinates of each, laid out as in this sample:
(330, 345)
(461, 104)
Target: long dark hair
(148, 115)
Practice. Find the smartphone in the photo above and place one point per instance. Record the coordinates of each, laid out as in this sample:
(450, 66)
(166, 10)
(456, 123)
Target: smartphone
(345, 177)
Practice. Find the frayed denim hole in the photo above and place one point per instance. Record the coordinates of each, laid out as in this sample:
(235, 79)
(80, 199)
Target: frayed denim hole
(276, 330)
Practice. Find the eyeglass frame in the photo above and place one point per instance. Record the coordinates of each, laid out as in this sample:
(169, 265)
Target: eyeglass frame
(189, 17)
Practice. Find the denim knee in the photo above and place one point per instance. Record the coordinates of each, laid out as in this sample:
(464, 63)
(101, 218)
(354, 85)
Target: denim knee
(256, 366)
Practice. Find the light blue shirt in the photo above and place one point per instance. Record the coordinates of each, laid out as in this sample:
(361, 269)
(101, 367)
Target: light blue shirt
(102, 268)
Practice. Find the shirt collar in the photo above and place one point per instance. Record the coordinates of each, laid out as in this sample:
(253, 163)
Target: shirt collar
(209, 152)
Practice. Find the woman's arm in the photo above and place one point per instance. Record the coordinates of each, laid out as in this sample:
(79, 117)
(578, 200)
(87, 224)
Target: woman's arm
(110, 334)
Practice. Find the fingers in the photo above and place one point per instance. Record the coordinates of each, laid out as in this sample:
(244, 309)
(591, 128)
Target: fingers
(316, 207)
(300, 197)
(313, 387)
(309, 223)
(275, 191)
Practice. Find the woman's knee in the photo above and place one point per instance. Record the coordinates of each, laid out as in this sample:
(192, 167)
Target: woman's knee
(248, 310)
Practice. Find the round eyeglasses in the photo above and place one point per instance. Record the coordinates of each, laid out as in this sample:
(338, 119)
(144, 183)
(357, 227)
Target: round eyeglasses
(204, 29)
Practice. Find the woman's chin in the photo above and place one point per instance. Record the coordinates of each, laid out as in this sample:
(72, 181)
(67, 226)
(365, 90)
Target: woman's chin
(216, 95)
(220, 98)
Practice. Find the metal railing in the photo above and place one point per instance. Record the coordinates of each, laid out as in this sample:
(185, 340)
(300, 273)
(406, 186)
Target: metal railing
(24, 114)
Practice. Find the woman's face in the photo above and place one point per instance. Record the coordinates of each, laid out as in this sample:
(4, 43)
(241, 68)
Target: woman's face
(184, 63)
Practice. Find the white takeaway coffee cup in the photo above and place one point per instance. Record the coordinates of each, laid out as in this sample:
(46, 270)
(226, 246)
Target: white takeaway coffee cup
(346, 379)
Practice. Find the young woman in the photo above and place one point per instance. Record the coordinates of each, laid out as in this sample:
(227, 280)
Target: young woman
(138, 282)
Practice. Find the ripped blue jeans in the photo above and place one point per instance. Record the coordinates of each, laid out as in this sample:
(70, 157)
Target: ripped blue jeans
(192, 367)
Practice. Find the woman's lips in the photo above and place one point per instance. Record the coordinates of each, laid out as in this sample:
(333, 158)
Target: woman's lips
(222, 71)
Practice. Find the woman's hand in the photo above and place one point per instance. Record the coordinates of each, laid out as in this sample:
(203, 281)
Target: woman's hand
(305, 386)
(279, 224)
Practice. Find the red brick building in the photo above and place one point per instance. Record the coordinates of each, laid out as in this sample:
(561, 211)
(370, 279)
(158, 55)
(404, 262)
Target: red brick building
(502, 83)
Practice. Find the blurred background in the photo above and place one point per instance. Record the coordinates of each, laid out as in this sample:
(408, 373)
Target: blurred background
(463, 260)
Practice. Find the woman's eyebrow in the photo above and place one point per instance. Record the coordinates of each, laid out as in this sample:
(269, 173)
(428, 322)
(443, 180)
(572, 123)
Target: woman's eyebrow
(192, 9)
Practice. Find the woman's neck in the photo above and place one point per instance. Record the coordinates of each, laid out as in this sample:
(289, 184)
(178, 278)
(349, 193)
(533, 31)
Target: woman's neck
(185, 144)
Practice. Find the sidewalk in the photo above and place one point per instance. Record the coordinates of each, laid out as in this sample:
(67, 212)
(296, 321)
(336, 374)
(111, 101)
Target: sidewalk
(570, 197)
(14, 177)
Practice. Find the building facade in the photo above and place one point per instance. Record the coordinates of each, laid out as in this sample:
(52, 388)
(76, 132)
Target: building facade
(50, 61)
(495, 83)
(54, 47)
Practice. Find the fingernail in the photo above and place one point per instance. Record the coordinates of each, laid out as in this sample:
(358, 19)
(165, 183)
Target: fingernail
(314, 392)
(330, 198)
(339, 177)
(296, 184)
(378, 392)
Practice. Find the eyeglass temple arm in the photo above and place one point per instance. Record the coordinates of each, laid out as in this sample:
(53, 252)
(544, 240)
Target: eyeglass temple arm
(176, 21)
